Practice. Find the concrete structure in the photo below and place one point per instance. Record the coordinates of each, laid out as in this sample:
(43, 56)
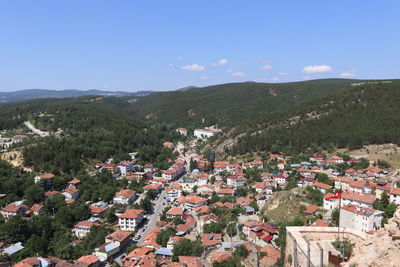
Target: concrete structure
(310, 246)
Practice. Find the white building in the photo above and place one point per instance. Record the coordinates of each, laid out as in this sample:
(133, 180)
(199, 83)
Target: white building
(124, 167)
(362, 219)
(330, 203)
(130, 219)
(235, 180)
(206, 133)
(124, 196)
(81, 229)
(395, 196)
(362, 200)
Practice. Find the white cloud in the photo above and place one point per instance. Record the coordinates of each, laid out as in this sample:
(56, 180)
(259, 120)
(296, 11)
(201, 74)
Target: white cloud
(204, 77)
(238, 74)
(193, 67)
(276, 79)
(170, 65)
(347, 74)
(179, 58)
(283, 73)
(266, 67)
(223, 61)
(317, 68)
(229, 70)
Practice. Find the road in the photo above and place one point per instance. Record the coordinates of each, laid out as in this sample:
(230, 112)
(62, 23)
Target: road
(35, 130)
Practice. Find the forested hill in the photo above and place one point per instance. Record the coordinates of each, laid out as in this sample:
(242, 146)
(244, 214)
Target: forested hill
(85, 130)
(227, 104)
(359, 115)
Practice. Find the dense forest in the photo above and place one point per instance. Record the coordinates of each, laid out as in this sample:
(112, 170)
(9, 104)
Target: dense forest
(228, 104)
(353, 117)
(84, 130)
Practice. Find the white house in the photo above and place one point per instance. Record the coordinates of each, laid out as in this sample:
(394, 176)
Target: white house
(124, 167)
(330, 203)
(395, 196)
(130, 219)
(81, 229)
(236, 180)
(362, 219)
(362, 200)
(124, 196)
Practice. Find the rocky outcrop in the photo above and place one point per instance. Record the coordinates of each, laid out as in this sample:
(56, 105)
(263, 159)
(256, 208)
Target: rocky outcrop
(381, 248)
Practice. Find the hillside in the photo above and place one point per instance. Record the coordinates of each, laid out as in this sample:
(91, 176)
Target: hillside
(28, 94)
(227, 104)
(353, 117)
(84, 130)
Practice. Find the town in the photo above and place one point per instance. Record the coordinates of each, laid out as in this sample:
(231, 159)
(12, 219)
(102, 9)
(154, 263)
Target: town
(204, 211)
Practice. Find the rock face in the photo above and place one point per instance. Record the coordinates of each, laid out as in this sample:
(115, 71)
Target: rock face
(382, 248)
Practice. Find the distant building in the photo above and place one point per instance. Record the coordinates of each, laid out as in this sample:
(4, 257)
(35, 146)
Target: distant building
(130, 219)
(206, 133)
(182, 131)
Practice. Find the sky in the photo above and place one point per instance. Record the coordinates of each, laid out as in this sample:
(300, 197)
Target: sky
(168, 44)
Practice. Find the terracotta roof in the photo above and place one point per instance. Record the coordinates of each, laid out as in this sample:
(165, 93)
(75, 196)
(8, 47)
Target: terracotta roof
(37, 207)
(88, 259)
(74, 181)
(369, 199)
(139, 252)
(46, 176)
(220, 256)
(359, 210)
(119, 235)
(131, 214)
(85, 224)
(319, 223)
(272, 257)
(154, 186)
(211, 239)
(13, 207)
(190, 261)
(396, 191)
(71, 190)
(226, 191)
(311, 209)
(175, 211)
(322, 185)
(128, 193)
(202, 209)
(96, 210)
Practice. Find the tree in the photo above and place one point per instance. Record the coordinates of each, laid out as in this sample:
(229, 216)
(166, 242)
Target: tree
(164, 235)
(34, 194)
(231, 229)
(335, 216)
(187, 247)
(213, 227)
(241, 252)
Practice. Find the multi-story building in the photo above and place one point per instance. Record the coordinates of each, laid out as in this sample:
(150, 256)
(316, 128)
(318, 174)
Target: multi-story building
(360, 218)
(130, 219)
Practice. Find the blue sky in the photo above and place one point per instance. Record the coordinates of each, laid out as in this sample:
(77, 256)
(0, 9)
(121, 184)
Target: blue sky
(166, 44)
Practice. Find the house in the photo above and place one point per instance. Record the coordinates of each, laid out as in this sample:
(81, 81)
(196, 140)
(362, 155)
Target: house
(47, 178)
(13, 209)
(12, 249)
(70, 193)
(174, 191)
(169, 145)
(220, 256)
(206, 133)
(342, 183)
(37, 209)
(124, 196)
(97, 212)
(202, 179)
(383, 186)
(362, 200)
(107, 250)
(281, 178)
(148, 168)
(175, 213)
(182, 131)
(89, 261)
(311, 210)
(272, 256)
(157, 187)
(316, 158)
(75, 183)
(130, 219)
(210, 241)
(81, 229)
(190, 261)
(254, 164)
(220, 166)
(330, 203)
(192, 201)
(336, 159)
(395, 196)
(236, 180)
(225, 192)
(35, 262)
(19, 138)
(322, 187)
(360, 218)
(119, 237)
(124, 167)
(260, 187)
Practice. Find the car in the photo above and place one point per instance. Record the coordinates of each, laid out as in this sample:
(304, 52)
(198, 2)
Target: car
(137, 236)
